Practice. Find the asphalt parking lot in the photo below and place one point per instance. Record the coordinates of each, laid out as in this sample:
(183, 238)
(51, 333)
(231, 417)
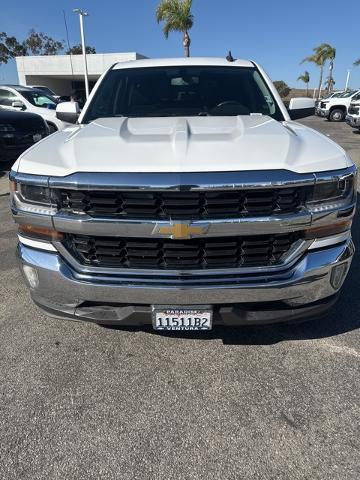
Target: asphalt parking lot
(78, 401)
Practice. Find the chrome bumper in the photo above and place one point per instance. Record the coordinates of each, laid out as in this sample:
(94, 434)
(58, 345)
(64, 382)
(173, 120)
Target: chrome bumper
(353, 121)
(323, 113)
(64, 292)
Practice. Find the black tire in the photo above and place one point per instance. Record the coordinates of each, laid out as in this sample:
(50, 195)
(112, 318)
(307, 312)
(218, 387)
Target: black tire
(336, 115)
(52, 128)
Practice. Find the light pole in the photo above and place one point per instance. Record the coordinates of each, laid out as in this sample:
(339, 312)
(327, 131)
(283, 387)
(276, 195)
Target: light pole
(347, 80)
(83, 14)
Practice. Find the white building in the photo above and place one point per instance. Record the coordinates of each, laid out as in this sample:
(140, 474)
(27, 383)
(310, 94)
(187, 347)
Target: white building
(64, 73)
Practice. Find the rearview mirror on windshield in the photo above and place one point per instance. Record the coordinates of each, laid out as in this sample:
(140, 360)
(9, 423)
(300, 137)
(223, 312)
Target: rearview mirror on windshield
(68, 112)
(301, 107)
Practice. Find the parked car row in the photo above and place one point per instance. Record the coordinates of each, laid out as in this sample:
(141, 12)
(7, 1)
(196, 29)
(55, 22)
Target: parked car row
(20, 98)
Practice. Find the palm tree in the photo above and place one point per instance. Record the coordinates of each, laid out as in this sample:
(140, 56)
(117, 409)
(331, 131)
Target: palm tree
(177, 17)
(306, 79)
(329, 83)
(321, 54)
(357, 62)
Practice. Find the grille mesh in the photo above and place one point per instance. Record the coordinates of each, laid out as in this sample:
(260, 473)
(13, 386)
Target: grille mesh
(180, 205)
(200, 253)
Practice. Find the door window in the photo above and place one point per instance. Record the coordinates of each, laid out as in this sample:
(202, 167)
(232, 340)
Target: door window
(7, 97)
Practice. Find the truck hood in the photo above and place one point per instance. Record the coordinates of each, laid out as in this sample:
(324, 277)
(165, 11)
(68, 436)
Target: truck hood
(191, 144)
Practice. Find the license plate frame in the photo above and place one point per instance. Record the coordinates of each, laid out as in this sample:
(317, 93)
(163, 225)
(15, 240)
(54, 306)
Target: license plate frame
(181, 318)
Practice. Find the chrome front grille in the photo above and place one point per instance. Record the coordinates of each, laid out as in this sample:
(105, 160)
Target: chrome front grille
(166, 205)
(199, 253)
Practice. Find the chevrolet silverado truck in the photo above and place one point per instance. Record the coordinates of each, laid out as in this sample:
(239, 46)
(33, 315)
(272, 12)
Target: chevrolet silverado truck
(335, 108)
(184, 196)
(328, 96)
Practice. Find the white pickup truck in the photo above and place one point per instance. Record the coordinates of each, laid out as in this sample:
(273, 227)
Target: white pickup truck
(353, 116)
(336, 107)
(184, 196)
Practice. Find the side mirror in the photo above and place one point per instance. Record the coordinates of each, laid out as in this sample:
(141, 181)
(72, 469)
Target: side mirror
(301, 107)
(68, 111)
(18, 104)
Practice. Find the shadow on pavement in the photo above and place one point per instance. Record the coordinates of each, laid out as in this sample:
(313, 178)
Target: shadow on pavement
(344, 317)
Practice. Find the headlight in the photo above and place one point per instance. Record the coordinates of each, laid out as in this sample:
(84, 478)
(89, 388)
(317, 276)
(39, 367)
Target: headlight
(33, 194)
(33, 198)
(334, 194)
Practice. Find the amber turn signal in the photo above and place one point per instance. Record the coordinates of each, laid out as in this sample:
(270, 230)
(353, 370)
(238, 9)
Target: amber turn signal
(327, 230)
(41, 233)
(12, 186)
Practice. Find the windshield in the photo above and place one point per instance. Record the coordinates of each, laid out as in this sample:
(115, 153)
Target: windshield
(39, 99)
(45, 90)
(348, 94)
(182, 91)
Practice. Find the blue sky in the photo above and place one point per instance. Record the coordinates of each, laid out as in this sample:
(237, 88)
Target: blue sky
(277, 34)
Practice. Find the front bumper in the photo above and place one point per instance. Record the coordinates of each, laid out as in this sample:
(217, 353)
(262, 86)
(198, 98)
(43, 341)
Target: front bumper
(303, 290)
(353, 121)
(323, 113)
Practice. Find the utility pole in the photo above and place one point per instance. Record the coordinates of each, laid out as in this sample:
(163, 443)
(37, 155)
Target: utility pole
(83, 14)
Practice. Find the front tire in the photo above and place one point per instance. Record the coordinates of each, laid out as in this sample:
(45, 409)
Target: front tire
(336, 115)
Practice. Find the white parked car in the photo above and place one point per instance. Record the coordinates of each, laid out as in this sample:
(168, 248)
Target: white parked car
(20, 98)
(184, 196)
(336, 108)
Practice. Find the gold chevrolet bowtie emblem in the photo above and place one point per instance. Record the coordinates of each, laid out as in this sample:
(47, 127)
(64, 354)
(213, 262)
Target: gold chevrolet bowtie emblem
(178, 231)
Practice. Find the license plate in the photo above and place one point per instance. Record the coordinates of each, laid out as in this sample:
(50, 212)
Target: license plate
(37, 137)
(167, 318)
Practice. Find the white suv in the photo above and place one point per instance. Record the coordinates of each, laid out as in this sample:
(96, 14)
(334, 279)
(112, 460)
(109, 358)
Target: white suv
(336, 108)
(17, 97)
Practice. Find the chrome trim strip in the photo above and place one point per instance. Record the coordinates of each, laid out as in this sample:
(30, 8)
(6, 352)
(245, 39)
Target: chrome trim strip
(38, 244)
(85, 225)
(332, 240)
(29, 179)
(191, 181)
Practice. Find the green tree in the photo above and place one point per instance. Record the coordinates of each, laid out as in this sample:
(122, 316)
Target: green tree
(306, 79)
(177, 17)
(9, 48)
(77, 50)
(37, 43)
(321, 54)
(282, 88)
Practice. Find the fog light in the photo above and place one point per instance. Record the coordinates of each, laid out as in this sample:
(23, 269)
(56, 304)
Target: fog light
(31, 276)
(337, 275)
